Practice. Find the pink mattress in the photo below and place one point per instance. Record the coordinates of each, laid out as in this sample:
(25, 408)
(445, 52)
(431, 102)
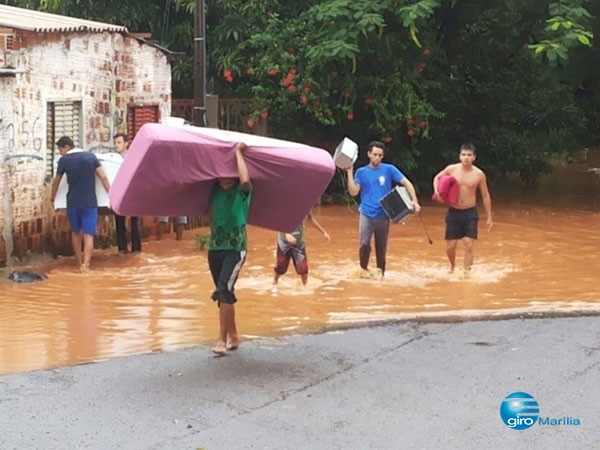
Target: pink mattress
(171, 170)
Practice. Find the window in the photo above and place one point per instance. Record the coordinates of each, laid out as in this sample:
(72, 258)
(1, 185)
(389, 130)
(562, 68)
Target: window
(138, 116)
(9, 41)
(63, 119)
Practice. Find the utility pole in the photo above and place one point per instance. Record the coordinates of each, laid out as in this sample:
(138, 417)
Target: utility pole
(199, 115)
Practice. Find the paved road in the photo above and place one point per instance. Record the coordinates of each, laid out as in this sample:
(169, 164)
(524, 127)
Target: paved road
(398, 386)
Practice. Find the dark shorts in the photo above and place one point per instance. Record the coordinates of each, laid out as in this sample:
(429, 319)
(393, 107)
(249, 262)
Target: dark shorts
(83, 220)
(296, 254)
(461, 223)
(225, 266)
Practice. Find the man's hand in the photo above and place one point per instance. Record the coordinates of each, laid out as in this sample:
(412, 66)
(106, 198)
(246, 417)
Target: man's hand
(489, 223)
(241, 147)
(290, 239)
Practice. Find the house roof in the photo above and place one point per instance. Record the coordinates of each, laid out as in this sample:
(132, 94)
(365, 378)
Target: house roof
(37, 21)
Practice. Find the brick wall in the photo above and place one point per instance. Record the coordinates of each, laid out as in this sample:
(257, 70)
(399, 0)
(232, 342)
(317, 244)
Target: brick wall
(106, 72)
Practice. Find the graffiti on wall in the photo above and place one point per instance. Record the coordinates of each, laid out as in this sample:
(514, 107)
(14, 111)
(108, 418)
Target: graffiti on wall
(24, 139)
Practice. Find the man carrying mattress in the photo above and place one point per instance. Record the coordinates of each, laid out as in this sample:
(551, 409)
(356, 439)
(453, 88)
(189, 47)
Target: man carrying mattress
(229, 203)
(462, 217)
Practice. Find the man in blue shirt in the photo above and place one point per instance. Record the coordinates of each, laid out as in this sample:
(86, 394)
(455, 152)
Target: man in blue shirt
(81, 168)
(374, 181)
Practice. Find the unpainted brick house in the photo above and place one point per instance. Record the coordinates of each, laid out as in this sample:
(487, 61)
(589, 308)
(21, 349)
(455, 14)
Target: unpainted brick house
(65, 76)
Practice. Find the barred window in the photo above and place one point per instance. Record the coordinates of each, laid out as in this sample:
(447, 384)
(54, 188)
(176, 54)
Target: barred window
(138, 116)
(9, 41)
(63, 119)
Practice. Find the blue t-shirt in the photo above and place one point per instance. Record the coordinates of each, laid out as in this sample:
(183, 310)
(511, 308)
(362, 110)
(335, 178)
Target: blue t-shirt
(374, 184)
(80, 168)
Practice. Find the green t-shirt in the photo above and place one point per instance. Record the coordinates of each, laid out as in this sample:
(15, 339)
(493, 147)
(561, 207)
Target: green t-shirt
(229, 217)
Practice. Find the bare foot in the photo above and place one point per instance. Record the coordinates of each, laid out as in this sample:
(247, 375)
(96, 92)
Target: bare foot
(233, 343)
(220, 349)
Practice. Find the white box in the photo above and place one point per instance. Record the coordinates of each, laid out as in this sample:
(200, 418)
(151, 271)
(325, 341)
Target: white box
(346, 153)
(111, 163)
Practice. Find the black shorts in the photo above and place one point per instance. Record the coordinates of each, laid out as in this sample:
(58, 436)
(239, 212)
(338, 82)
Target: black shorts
(461, 223)
(225, 267)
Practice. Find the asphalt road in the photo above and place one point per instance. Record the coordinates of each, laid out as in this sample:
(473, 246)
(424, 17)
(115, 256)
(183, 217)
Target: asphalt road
(406, 385)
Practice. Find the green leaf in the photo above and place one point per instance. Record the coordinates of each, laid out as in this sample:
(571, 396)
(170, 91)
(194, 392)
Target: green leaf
(583, 39)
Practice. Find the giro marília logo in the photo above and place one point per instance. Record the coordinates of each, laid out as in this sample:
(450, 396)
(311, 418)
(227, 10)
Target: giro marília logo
(519, 410)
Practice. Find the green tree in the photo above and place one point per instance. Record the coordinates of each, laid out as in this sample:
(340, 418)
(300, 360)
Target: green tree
(513, 76)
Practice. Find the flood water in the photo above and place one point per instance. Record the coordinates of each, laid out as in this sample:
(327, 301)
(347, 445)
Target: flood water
(541, 256)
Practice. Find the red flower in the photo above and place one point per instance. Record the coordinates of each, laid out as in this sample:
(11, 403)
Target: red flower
(410, 122)
(369, 101)
(422, 124)
(426, 52)
(291, 88)
(350, 116)
(273, 72)
(388, 139)
(307, 89)
(227, 73)
(264, 114)
(303, 100)
(410, 132)
(317, 103)
(250, 123)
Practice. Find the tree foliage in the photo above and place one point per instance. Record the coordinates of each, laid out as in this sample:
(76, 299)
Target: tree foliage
(422, 75)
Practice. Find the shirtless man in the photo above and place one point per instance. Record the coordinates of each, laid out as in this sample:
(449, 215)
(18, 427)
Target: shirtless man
(462, 217)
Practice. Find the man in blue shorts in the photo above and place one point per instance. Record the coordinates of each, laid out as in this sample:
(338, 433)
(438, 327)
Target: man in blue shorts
(230, 204)
(81, 168)
(374, 181)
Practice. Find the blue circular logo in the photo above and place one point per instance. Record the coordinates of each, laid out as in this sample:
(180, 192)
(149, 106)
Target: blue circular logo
(519, 410)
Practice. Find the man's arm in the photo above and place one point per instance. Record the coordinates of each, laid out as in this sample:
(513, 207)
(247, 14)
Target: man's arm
(413, 194)
(55, 184)
(318, 226)
(103, 178)
(487, 201)
(353, 188)
(290, 239)
(436, 179)
(242, 168)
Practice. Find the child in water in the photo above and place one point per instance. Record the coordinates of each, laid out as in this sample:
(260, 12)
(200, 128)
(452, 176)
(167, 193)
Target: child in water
(292, 246)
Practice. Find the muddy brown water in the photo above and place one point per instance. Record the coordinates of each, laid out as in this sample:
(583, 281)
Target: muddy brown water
(541, 256)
